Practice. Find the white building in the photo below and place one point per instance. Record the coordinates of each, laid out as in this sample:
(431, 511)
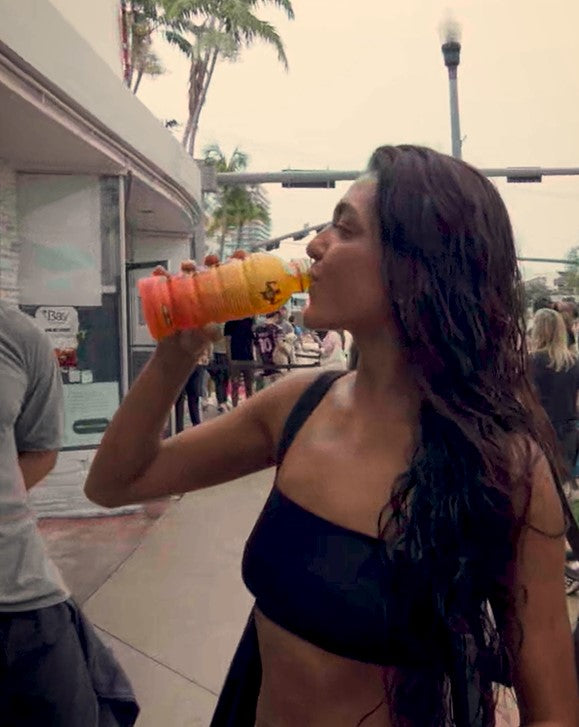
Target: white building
(94, 192)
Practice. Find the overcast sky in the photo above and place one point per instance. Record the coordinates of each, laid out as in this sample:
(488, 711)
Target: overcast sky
(371, 72)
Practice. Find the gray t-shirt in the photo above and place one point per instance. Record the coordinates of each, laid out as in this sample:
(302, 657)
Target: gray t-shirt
(30, 421)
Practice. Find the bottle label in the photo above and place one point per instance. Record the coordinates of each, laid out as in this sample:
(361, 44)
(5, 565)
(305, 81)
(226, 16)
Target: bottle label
(272, 292)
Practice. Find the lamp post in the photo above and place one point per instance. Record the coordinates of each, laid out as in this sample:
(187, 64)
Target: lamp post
(451, 53)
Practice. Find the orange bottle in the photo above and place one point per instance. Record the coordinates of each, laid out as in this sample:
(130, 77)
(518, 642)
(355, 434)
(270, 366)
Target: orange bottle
(260, 283)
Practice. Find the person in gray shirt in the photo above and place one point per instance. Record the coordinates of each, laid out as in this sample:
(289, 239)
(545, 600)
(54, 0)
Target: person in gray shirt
(53, 668)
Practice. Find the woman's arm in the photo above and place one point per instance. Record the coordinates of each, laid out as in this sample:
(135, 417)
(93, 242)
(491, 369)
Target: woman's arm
(134, 464)
(545, 676)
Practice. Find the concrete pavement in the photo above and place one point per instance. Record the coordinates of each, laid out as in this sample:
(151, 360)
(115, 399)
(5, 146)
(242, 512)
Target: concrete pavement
(174, 610)
(167, 595)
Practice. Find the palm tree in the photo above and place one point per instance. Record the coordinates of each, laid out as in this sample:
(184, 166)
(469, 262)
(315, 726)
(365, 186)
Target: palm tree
(220, 205)
(233, 207)
(140, 21)
(248, 208)
(207, 30)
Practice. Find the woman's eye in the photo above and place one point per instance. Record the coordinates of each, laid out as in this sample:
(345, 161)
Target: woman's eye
(343, 231)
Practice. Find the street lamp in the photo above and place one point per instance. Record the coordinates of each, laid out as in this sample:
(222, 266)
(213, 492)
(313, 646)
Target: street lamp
(451, 53)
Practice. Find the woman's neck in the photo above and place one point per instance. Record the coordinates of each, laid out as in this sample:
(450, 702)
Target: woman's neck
(384, 377)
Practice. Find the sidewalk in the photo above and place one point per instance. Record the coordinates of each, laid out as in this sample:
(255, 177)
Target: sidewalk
(167, 595)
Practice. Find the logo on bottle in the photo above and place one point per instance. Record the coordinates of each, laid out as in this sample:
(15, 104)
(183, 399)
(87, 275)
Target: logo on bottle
(272, 292)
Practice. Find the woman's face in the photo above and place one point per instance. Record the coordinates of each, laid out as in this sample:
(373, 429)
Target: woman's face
(347, 288)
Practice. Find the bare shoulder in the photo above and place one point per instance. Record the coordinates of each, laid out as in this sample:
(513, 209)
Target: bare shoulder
(536, 497)
(273, 405)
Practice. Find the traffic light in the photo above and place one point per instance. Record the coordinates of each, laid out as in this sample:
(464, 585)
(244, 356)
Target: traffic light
(307, 184)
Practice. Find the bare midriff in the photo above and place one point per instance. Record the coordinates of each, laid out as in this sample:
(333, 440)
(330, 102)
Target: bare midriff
(305, 685)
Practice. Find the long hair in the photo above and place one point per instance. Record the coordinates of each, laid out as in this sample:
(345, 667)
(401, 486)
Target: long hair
(550, 335)
(449, 267)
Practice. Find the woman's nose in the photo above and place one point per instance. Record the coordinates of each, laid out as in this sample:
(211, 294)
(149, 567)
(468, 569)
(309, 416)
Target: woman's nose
(317, 246)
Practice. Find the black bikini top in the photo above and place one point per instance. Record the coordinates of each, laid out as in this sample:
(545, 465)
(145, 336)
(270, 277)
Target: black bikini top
(325, 583)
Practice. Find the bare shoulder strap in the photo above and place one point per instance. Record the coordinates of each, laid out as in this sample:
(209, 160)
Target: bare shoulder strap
(302, 409)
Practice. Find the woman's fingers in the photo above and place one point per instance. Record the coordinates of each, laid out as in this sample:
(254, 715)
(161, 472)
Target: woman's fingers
(188, 266)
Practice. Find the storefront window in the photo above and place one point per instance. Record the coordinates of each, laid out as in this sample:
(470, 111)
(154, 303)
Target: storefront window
(69, 276)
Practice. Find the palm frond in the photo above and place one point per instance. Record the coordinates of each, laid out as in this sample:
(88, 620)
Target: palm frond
(285, 5)
(213, 154)
(246, 28)
(178, 40)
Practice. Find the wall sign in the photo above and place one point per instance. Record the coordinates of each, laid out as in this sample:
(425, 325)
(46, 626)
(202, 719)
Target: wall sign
(61, 324)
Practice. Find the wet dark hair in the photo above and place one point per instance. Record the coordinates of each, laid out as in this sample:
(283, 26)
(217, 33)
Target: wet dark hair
(450, 269)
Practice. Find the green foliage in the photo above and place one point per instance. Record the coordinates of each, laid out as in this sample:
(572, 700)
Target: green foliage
(534, 289)
(568, 281)
(141, 22)
(206, 31)
(235, 206)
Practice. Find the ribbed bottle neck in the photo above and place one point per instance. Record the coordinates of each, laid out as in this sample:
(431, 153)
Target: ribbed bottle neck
(301, 267)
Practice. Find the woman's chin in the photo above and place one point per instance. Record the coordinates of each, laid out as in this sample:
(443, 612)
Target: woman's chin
(312, 319)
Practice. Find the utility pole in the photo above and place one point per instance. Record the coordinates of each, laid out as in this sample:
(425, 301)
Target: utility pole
(451, 54)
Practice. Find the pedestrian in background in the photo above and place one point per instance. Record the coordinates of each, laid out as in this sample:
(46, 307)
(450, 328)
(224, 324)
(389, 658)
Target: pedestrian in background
(286, 325)
(555, 371)
(268, 340)
(569, 312)
(54, 670)
(219, 371)
(192, 393)
(239, 342)
(333, 355)
(298, 330)
(219, 365)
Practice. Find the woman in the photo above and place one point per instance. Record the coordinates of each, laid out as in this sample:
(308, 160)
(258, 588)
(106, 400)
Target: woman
(192, 391)
(219, 366)
(219, 371)
(410, 493)
(556, 376)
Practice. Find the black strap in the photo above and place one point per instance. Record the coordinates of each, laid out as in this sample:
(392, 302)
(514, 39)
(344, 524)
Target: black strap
(302, 409)
(573, 528)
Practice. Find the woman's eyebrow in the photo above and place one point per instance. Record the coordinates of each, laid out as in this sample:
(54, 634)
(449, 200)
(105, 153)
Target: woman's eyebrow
(343, 208)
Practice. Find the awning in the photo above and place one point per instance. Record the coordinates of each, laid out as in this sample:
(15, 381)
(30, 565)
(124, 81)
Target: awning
(62, 109)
